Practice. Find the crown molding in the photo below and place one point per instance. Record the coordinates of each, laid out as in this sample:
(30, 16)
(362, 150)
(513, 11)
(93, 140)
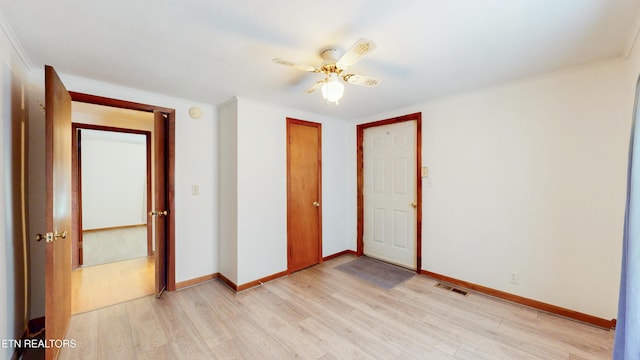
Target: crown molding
(632, 38)
(17, 46)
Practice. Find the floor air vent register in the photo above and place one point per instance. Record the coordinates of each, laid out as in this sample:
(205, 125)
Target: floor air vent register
(451, 288)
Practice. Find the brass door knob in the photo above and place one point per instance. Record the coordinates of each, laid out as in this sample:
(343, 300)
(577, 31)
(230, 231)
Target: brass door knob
(414, 204)
(51, 236)
(316, 204)
(158, 213)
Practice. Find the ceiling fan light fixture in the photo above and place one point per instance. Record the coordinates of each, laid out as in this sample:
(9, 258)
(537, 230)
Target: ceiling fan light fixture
(332, 89)
(332, 68)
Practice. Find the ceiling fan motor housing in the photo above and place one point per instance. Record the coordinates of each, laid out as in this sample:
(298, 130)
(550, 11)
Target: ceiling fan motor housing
(330, 54)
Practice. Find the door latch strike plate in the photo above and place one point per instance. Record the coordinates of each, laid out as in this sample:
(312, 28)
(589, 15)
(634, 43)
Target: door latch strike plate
(49, 237)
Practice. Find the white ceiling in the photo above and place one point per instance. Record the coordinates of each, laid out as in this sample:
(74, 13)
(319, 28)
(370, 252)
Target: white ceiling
(209, 51)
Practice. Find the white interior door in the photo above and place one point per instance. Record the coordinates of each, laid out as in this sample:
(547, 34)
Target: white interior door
(389, 156)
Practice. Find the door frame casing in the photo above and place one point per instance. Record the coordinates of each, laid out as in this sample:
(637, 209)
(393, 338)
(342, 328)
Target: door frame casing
(292, 121)
(417, 117)
(170, 153)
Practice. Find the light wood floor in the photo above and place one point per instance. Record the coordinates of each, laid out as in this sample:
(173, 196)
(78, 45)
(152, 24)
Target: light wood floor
(98, 286)
(323, 313)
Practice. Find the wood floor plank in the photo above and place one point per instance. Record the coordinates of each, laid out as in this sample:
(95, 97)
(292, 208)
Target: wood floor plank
(115, 340)
(200, 311)
(162, 352)
(337, 346)
(430, 355)
(231, 349)
(291, 337)
(289, 310)
(83, 328)
(397, 335)
(560, 324)
(323, 313)
(564, 341)
(362, 337)
(422, 285)
(224, 298)
(259, 342)
(104, 285)
(146, 330)
(475, 336)
(404, 320)
(187, 342)
(466, 352)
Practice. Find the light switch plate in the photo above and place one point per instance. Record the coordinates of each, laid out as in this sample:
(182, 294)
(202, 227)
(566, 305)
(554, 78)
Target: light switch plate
(424, 172)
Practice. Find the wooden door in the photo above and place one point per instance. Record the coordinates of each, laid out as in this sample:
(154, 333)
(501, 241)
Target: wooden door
(58, 210)
(390, 196)
(161, 214)
(304, 210)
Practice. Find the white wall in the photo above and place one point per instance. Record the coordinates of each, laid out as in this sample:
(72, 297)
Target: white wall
(13, 277)
(228, 189)
(262, 191)
(262, 186)
(196, 159)
(339, 229)
(36, 198)
(114, 179)
(530, 177)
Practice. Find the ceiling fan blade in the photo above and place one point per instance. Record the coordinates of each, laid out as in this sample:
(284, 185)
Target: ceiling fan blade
(361, 80)
(361, 48)
(302, 67)
(314, 87)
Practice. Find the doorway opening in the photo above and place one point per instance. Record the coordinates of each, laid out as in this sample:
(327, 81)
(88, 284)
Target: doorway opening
(118, 244)
(114, 195)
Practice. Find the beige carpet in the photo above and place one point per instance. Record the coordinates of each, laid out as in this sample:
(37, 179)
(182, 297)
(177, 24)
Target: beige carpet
(112, 245)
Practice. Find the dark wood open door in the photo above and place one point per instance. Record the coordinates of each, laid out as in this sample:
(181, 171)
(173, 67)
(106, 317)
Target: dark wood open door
(58, 210)
(304, 213)
(161, 214)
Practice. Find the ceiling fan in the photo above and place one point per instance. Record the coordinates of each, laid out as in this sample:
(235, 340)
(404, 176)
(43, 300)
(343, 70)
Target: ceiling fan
(335, 68)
